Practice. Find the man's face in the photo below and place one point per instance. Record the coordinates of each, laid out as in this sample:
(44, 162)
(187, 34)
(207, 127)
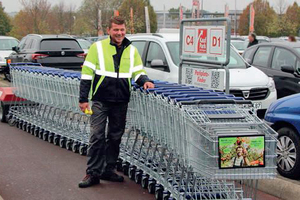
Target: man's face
(239, 151)
(117, 33)
(250, 38)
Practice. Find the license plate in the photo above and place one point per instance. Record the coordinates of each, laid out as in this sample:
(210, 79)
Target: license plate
(257, 105)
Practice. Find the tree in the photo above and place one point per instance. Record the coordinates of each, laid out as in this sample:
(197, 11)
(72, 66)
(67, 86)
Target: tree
(281, 6)
(138, 15)
(37, 12)
(264, 16)
(5, 25)
(89, 13)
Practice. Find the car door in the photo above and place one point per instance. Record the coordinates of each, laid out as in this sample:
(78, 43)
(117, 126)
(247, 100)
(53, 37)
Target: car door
(156, 54)
(286, 83)
(14, 56)
(262, 58)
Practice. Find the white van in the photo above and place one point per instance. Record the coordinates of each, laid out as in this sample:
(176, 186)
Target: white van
(160, 55)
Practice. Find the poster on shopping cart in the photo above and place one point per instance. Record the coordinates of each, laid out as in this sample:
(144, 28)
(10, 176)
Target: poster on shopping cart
(241, 151)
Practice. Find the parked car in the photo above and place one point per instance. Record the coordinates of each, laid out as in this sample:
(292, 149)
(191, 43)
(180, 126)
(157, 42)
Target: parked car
(6, 44)
(60, 51)
(281, 61)
(240, 45)
(84, 44)
(284, 117)
(164, 49)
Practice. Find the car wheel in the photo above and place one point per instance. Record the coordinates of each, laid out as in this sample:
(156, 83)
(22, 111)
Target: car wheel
(3, 112)
(7, 76)
(288, 153)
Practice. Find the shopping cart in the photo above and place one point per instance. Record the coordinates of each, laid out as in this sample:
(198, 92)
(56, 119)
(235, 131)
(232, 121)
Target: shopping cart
(171, 145)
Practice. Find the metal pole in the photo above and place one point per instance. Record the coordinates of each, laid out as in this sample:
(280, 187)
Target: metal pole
(202, 14)
(235, 21)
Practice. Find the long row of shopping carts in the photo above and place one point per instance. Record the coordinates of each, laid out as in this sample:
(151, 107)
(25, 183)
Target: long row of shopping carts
(170, 145)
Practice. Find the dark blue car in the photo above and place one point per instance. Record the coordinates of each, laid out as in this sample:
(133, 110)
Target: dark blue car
(284, 117)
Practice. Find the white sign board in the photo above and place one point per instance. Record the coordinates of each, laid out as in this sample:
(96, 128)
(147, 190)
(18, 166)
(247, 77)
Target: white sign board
(205, 78)
(204, 41)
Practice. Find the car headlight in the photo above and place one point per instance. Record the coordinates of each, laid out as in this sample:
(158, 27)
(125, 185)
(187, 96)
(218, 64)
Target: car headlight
(271, 84)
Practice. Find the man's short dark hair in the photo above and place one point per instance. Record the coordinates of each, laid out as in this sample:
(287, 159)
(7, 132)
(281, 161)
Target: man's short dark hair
(253, 35)
(116, 20)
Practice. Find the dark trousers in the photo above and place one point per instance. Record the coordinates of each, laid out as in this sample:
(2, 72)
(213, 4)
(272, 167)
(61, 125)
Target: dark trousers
(103, 151)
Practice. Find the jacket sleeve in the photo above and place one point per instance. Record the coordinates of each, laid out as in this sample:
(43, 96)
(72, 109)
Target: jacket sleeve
(139, 75)
(87, 73)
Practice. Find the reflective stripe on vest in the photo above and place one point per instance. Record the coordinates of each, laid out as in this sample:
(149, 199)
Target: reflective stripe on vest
(102, 70)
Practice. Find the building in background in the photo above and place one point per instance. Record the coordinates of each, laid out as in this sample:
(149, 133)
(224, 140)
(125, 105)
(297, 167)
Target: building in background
(172, 20)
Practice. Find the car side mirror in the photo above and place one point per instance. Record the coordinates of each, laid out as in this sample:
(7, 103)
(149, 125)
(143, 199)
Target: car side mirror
(158, 63)
(16, 49)
(288, 69)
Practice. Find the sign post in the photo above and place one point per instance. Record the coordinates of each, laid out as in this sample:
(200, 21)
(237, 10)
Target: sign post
(204, 51)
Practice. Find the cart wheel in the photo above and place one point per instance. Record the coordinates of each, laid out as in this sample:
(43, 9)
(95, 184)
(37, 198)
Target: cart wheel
(28, 128)
(3, 112)
(7, 75)
(75, 147)
(32, 130)
(158, 192)
(131, 172)
(18, 123)
(151, 186)
(166, 195)
(11, 122)
(50, 137)
(24, 126)
(62, 142)
(144, 181)
(138, 177)
(45, 135)
(36, 131)
(69, 143)
(82, 149)
(41, 133)
(125, 167)
(56, 139)
(119, 165)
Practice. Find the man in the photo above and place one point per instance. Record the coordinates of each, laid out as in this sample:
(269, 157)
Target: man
(108, 69)
(241, 159)
(252, 40)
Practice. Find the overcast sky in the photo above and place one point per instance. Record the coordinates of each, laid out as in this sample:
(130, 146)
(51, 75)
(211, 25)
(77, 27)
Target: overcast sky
(209, 5)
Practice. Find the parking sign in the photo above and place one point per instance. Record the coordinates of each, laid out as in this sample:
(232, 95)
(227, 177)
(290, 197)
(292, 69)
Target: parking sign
(189, 40)
(204, 41)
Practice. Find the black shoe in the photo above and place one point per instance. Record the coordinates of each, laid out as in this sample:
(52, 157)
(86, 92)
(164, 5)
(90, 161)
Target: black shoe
(111, 176)
(88, 181)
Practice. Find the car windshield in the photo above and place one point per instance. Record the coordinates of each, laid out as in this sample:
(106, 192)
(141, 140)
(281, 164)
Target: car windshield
(236, 60)
(239, 45)
(59, 45)
(84, 44)
(297, 49)
(7, 44)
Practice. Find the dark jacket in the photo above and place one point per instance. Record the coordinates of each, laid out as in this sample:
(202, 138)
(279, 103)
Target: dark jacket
(254, 42)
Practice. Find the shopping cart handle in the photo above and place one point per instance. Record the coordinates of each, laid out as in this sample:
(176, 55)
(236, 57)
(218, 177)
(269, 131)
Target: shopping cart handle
(215, 101)
(222, 101)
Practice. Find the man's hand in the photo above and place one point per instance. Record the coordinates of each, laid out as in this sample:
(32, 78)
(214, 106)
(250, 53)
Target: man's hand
(148, 85)
(84, 106)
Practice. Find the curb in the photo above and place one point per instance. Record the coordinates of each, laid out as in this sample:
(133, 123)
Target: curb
(281, 187)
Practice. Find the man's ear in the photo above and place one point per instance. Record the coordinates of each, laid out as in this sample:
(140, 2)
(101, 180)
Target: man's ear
(107, 30)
